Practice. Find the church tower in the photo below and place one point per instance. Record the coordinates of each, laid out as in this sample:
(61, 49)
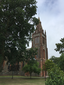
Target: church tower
(39, 41)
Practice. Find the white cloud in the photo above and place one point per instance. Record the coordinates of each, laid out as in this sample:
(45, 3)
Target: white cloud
(52, 19)
(53, 22)
(40, 2)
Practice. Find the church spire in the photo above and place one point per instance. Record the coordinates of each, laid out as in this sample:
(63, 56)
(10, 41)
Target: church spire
(39, 26)
(39, 18)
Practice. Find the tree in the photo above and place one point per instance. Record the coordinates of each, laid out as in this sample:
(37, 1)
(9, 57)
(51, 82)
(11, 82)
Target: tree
(61, 62)
(55, 59)
(60, 46)
(30, 54)
(38, 71)
(32, 65)
(48, 65)
(56, 76)
(14, 56)
(17, 22)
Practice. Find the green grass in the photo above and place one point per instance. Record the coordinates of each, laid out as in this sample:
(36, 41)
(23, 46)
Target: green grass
(19, 77)
(22, 81)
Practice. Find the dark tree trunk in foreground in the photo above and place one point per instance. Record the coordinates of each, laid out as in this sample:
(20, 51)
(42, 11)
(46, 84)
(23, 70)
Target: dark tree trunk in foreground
(30, 75)
(1, 53)
(12, 74)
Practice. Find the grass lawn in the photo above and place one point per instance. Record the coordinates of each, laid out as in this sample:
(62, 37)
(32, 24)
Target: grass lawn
(22, 81)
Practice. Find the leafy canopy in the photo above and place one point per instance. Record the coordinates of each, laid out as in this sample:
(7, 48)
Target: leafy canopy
(55, 59)
(56, 76)
(61, 62)
(17, 22)
(60, 46)
(32, 65)
(48, 65)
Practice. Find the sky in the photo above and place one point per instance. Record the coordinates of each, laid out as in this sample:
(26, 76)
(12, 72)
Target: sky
(51, 13)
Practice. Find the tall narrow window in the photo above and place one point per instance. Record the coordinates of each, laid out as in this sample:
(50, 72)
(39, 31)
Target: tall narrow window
(36, 40)
(43, 53)
(43, 41)
(37, 56)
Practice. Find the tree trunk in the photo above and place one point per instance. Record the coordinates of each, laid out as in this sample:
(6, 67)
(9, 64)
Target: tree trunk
(1, 62)
(12, 74)
(1, 54)
(30, 75)
(45, 75)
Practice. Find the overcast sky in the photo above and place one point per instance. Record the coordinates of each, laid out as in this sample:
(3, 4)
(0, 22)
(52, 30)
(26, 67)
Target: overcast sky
(51, 13)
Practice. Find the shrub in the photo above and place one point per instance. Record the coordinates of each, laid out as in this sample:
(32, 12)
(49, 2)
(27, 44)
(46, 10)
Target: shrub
(56, 77)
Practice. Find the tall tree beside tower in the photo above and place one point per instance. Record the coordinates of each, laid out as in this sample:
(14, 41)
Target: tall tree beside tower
(15, 27)
(60, 46)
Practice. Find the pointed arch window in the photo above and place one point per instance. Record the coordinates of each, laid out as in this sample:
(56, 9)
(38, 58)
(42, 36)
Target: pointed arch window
(37, 39)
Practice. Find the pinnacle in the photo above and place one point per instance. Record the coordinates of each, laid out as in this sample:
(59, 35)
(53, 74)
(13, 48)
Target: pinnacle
(39, 18)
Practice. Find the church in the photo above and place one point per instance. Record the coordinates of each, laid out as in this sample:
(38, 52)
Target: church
(39, 40)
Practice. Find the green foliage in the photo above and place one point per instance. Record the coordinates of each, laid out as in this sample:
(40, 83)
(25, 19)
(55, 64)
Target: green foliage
(29, 54)
(61, 62)
(38, 70)
(16, 27)
(48, 65)
(60, 46)
(56, 77)
(31, 66)
(55, 59)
